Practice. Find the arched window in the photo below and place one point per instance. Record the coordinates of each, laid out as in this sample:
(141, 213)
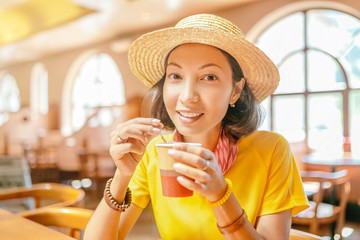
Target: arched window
(9, 96)
(317, 52)
(39, 89)
(97, 83)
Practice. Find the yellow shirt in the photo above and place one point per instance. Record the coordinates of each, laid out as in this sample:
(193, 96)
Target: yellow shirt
(265, 180)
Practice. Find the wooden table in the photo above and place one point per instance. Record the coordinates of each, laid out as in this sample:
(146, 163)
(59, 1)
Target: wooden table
(331, 160)
(13, 226)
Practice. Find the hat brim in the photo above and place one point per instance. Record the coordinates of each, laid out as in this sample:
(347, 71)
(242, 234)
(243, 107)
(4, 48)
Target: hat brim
(148, 53)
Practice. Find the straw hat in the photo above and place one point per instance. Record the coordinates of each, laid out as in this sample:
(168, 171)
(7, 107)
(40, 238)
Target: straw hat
(148, 53)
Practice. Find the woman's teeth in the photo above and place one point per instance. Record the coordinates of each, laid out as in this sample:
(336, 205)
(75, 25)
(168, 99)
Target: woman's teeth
(190, 115)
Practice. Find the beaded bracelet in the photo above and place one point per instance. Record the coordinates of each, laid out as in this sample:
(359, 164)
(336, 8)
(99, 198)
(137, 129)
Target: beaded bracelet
(226, 195)
(236, 225)
(111, 201)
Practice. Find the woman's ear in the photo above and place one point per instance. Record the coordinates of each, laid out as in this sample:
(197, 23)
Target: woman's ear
(236, 93)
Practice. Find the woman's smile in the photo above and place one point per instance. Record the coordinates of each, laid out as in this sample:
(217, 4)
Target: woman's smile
(188, 117)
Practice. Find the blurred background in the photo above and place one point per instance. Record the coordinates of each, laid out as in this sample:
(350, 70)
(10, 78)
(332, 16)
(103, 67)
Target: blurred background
(65, 82)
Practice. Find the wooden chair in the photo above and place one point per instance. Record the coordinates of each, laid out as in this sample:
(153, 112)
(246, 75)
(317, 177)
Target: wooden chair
(69, 220)
(47, 194)
(300, 235)
(320, 213)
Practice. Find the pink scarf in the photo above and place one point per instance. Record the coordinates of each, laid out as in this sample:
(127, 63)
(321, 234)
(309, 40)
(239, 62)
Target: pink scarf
(225, 152)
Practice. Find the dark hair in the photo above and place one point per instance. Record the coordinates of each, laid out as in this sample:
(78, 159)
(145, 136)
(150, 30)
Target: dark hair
(240, 120)
(246, 116)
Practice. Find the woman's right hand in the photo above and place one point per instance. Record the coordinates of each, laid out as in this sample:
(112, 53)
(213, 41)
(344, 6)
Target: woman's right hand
(129, 141)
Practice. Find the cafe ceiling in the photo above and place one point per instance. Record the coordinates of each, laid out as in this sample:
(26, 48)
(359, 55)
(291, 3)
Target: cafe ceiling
(31, 29)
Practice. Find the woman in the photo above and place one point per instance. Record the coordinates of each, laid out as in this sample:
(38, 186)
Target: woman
(207, 82)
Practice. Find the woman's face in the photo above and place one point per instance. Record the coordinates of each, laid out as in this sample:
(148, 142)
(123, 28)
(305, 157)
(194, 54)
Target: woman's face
(198, 89)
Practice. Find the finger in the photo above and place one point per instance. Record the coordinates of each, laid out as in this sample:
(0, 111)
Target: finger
(191, 184)
(192, 173)
(136, 131)
(139, 130)
(123, 135)
(195, 149)
(143, 121)
(122, 132)
(188, 158)
(119, 150)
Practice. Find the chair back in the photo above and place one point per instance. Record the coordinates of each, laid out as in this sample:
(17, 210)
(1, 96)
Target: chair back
(319, 211)
(62, 195)
(71, 220)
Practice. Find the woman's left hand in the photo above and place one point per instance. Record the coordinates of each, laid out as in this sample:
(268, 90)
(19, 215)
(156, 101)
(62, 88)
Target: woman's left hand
(200, 171)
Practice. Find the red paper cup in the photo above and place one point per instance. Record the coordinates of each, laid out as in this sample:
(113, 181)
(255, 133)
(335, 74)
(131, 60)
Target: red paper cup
(170, 186)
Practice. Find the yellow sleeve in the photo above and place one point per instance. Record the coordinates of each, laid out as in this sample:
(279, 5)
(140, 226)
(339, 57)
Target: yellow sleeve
(284, 189)
(139, 183)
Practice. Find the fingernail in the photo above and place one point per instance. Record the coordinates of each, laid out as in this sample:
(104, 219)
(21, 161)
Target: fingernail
(156, 130)
(155, 120)
(176, 166)
(171, 152)
(180, 178)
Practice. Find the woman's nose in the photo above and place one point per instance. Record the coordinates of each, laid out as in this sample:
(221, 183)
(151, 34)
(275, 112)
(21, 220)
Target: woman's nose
(189, 92)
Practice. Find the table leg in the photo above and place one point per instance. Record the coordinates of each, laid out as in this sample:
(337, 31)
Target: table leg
(333, 201)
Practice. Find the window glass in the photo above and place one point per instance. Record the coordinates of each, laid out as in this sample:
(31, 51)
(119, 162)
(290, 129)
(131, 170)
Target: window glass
(265, 105)
(99, 83)
(4, 117)
(9, 94)
(324, 73)
(331, 31)
(9, 97)
(39, 89)
(276, 44)
(317, 53)
(289, 118)
(79, 116)
(292, 74)
(106, 117)
(354, 112)
(43, 85)
(351, 61)
(325, 121)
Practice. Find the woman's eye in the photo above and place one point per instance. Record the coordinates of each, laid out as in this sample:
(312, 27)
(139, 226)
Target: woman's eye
(210, 78)
(174, 76)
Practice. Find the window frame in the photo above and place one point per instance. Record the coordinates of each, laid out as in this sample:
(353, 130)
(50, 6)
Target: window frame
(345, 93)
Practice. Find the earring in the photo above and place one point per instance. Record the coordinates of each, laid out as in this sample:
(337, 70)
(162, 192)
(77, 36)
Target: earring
(232, 105)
